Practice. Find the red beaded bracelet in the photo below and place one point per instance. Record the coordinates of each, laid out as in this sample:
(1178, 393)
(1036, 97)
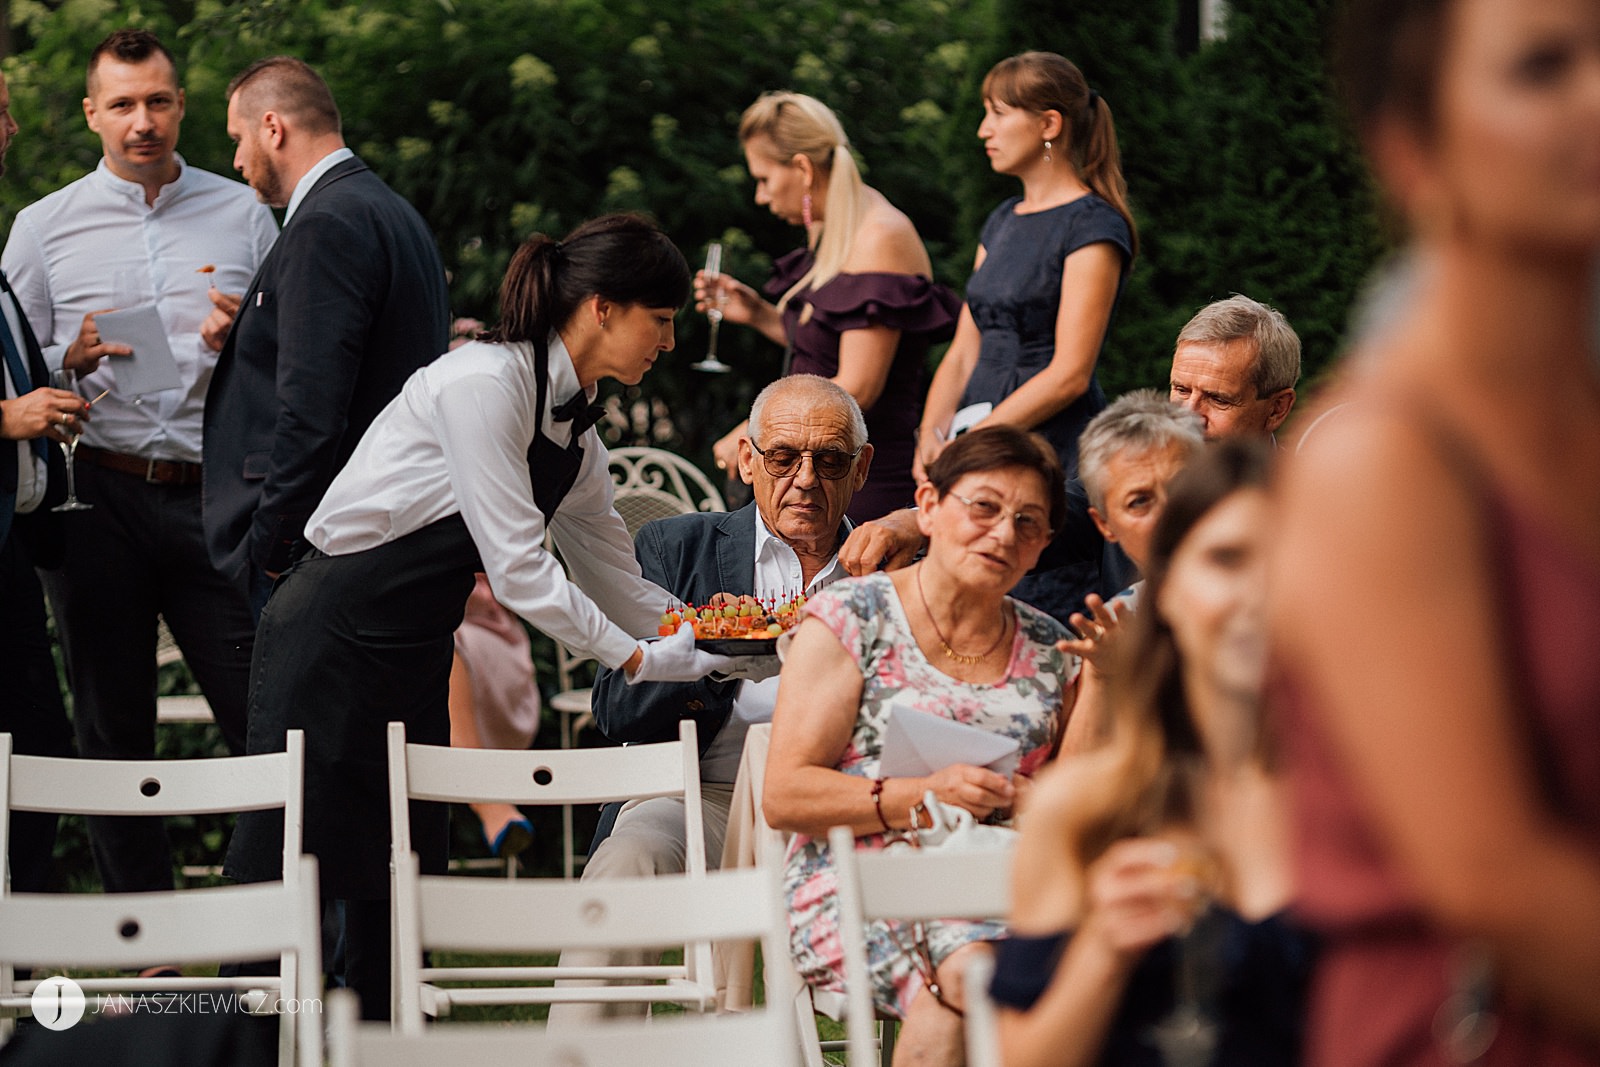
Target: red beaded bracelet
(877, 801)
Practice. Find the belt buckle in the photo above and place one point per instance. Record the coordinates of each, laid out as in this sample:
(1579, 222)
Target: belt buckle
(150, 472)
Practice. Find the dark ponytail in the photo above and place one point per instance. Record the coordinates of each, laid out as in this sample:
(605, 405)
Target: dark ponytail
(1044, 81)
(623, 258)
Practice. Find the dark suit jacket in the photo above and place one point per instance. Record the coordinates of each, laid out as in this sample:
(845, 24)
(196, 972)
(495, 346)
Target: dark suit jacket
(692, 557)
(41, 528)
(350, 301)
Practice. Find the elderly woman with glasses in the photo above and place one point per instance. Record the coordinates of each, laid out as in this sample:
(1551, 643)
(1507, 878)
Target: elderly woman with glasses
(938, 638)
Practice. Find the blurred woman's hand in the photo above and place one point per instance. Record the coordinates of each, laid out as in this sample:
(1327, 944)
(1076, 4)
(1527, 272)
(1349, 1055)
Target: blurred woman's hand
(1138, 894)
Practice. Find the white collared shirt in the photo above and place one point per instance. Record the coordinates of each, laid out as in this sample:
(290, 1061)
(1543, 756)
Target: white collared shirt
(66, 250)
(456, 440)
(778, 576)
(309, 178)
(31, 470)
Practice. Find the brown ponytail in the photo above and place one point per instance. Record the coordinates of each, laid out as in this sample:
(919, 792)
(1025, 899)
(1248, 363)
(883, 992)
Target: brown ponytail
(623, 258)
(1044, 81)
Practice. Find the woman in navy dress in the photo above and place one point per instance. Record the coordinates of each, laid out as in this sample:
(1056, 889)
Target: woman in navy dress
(1049, 269)
(857, 304)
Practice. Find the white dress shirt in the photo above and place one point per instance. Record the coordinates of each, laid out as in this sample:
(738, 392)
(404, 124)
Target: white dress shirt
(309, 178)
(31, 470)
(778, 576)
(63, 257)
(456, 440)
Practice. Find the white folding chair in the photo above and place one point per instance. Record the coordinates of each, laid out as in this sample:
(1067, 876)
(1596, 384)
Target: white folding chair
(157, 787)
(983, 1026)
(189, 707)
(647, 484)
(190, 926)
(907, 884)
(546, 777)
(478, 915)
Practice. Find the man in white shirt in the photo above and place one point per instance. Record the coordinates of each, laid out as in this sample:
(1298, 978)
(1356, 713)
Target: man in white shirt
(144, 227)
(32, 415)
(804, 454)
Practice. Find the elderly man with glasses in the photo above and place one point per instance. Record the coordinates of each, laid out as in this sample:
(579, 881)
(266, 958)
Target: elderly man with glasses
(804, 455)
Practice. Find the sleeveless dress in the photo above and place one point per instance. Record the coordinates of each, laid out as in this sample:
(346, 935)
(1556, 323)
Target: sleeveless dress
(1255, 989)
(1387, 971)
(923, 311)
(1014, 299)
(866, 615)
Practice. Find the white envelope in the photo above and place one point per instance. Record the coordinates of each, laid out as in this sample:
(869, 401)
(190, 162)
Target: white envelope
(151, 368)
(968, 417)
(917, 743)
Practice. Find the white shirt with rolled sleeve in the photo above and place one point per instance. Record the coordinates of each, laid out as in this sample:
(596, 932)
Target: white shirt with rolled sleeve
(456, 440)
(63, 257)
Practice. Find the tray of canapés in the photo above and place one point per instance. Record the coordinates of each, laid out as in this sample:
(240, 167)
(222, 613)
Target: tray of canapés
(747, 626)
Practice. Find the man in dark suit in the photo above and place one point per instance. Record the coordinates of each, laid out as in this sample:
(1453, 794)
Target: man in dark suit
(804, 455)
(31, 480)
(348, 304)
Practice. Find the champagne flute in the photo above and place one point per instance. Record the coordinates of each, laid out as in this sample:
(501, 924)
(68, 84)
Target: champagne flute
(711, 364)
(68, 380)
(1188, 1036)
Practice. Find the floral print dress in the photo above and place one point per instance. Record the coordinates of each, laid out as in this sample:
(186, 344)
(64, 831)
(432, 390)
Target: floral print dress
(866, 616)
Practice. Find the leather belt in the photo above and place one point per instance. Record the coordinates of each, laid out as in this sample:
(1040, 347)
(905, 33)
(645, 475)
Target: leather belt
(154, 471)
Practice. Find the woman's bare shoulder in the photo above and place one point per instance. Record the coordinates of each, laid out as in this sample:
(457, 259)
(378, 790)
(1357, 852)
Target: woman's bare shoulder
(887, 241)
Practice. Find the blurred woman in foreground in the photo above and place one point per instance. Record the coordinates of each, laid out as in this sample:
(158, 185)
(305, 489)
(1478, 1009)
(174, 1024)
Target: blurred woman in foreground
(1148, 918)
(1437, 578)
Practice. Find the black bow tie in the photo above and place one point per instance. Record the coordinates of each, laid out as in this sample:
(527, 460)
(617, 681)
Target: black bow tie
(578, 411)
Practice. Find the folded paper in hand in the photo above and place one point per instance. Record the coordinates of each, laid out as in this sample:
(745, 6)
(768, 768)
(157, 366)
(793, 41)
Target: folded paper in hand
(151, 368)
(918, 743)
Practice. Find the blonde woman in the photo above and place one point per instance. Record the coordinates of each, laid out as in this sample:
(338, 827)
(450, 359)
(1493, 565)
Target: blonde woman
(856, 304)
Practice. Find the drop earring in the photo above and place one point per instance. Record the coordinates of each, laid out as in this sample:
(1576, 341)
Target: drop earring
(1047, 151)
(805, 210)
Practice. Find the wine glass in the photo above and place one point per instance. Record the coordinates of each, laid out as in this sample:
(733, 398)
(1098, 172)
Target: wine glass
(1188, 1036)
(711, 364)
(68, 380)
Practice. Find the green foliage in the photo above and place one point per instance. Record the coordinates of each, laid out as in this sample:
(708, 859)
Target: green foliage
(501, 117)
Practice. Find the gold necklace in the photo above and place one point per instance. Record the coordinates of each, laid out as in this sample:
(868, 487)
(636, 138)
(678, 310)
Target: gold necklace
(964, 660)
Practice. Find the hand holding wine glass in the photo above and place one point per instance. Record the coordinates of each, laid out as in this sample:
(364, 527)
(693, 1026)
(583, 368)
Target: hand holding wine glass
(713, 277)
(71, 429)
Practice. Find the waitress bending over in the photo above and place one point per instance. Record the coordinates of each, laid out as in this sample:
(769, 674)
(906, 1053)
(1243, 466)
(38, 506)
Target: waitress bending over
(482, 452)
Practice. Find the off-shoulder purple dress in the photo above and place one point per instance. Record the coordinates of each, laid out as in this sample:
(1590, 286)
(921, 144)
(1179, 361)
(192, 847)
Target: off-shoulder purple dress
(925, 314)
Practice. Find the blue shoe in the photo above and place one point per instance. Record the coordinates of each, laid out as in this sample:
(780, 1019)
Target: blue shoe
(513, 839)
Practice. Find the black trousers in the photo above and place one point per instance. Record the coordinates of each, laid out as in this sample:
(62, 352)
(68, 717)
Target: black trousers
(30, 707)
(348, 644)
(140, 552)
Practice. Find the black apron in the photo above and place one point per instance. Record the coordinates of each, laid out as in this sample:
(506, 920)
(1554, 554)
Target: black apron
(350, 643)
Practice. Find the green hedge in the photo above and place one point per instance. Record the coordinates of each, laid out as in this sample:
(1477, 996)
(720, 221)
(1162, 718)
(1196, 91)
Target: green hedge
(499, 117)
